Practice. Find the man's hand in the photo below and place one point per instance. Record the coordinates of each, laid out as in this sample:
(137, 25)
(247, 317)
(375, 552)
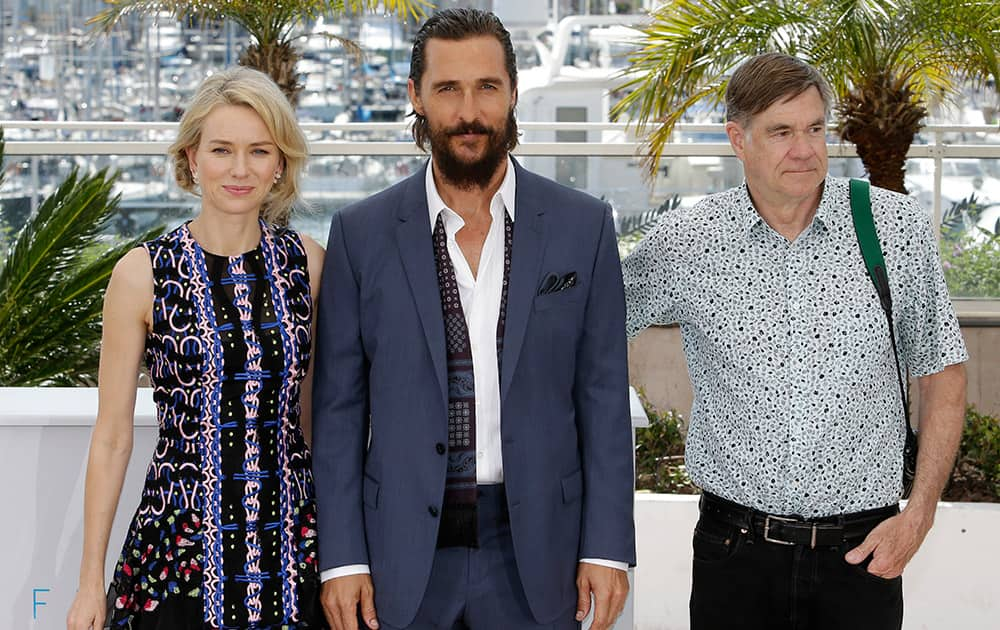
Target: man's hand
(609, 587)
(893, 542)
(341, 597)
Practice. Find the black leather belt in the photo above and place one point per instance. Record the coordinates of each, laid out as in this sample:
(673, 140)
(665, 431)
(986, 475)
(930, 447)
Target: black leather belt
(828, 531)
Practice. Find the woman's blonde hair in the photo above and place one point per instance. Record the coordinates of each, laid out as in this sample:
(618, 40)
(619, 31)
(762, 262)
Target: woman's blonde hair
(253, 89)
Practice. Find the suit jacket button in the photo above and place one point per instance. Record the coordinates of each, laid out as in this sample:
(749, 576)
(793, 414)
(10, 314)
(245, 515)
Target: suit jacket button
(440, 448)
(433, 510)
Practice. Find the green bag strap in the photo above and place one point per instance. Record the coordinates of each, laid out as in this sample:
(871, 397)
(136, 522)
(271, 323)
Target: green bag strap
(871, 251)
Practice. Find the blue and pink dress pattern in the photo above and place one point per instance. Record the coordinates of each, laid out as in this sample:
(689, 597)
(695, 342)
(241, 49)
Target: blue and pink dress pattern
(224, 536)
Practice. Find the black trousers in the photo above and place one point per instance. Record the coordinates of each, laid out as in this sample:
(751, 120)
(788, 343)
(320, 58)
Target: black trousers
(744, 582)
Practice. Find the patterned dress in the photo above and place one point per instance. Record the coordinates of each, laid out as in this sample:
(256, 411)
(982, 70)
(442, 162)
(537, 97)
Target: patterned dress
(224, 536)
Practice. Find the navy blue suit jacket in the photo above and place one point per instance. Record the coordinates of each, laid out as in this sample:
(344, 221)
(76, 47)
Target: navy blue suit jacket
(381, 371)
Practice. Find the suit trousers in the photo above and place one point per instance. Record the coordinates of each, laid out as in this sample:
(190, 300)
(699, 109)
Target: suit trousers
(479, 588)
(740, 580)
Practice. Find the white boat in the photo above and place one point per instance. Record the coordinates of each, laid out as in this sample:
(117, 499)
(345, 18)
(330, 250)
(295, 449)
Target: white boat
(580, 66)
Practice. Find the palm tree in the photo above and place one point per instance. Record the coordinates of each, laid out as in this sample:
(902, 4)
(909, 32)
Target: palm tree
(52, 281)
(885, 61)
(271, 23)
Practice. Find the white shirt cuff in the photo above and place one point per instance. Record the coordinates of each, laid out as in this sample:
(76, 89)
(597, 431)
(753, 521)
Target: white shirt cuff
(614, 564)
(344, 571)
(363, 569)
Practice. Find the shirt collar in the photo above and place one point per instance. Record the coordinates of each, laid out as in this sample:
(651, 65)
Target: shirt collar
(745, 211)
(749, 217)
(503, 199)
(827, 203)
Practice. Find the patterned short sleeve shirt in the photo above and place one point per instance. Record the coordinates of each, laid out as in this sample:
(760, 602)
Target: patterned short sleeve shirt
(797, 407)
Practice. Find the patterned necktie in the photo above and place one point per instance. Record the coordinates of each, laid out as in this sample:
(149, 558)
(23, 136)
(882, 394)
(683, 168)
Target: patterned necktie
(458, 520)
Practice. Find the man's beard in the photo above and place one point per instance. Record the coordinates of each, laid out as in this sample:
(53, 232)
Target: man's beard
(477, 173)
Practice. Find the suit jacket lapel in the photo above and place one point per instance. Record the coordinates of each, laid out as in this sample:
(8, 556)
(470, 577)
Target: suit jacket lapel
(525, 263)
(413, 236)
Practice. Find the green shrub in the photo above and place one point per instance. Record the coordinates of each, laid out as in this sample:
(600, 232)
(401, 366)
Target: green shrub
(972, 266)
(976, 476)
(659, 456)
(970, 254)
(659, 452)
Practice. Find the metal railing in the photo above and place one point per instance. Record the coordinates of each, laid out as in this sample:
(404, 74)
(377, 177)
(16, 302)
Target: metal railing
(936, 143)
(937, 149)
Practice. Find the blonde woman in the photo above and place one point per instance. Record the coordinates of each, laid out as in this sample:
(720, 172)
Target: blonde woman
(221, 311)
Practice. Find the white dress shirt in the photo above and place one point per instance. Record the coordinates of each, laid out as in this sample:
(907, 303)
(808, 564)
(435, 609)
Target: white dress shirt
(480, 296)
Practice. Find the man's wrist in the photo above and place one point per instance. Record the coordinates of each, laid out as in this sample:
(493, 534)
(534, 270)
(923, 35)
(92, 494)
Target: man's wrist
(614, 564)
(922, 509)
(344, 571)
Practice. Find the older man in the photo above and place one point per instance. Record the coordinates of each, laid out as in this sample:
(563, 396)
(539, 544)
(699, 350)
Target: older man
(797, 430)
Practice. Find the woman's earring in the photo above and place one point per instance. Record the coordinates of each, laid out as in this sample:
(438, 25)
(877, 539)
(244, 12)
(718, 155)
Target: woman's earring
(194, 177)
(277, 176)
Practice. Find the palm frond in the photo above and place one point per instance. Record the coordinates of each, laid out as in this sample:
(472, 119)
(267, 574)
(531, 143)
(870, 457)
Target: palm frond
(271, 24)
(4, 228)
(689, 50)
(638, 225)
(118, 10)
(408, 9)
(52, 285)
(267, 21)
(66, 222)
(925, 47)
(962, 217)
(59, 336)
(350, 46)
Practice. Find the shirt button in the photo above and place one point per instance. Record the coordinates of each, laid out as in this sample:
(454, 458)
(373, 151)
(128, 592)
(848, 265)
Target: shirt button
(440, 448)
(480, 454)
(432, 510)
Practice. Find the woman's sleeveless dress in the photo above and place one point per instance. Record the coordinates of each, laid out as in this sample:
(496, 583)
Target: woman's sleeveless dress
(225, 533)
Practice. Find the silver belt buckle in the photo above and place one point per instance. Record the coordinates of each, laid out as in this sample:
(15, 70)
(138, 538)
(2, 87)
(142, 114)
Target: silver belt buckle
(767, 530)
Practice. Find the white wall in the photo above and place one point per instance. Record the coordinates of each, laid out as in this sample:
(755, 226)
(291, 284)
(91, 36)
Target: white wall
(953, 583)
(44, 439)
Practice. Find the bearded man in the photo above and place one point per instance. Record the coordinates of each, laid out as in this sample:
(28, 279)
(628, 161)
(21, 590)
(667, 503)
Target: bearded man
(472, 449)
